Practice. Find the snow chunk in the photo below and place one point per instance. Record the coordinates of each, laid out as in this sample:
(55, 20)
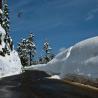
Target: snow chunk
(55, 77)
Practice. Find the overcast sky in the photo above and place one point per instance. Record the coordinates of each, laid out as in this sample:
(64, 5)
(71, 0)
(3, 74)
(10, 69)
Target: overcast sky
(62, 22)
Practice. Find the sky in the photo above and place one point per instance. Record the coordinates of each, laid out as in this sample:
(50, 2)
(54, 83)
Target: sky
(62, 22)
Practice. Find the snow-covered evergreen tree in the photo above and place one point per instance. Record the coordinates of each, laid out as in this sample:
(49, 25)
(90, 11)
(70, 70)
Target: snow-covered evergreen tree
(22, 51)
(2, 36)
(48, 54)
(27, 50)
(5, 24)
(47, 47)
(31, 48)
(5, 16)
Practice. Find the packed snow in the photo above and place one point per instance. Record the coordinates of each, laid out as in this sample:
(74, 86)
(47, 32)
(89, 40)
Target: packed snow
(9, 64)
(2, 33)
(81, 59)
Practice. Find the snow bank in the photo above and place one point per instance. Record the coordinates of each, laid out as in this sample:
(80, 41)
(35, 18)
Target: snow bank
(81, 59)
(10, 64)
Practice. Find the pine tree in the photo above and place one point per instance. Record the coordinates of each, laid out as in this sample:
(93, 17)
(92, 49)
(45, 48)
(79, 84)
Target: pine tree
(27, 50)
(5, 17)
(5, 24)
(21, 49)
(48, 54)
(46, 47)
(31, 48)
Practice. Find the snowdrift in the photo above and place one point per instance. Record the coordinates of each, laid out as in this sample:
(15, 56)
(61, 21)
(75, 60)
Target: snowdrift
(10, 64)
(81, 59)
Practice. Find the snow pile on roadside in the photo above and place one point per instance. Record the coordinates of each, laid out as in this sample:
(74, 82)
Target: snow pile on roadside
(81, 59)
(10, 64)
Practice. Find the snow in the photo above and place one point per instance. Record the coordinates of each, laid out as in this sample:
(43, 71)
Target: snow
(54, 77)
(3, 33)
(9, 64)
(81, 59)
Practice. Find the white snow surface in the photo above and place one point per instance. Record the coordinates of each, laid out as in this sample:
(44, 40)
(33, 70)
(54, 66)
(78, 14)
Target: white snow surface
(3, 33)
(54, 77)
(81, 59)
(10, 64)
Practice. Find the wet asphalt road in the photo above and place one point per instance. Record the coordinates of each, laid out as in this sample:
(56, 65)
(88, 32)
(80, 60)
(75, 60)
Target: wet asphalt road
(33, 84)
